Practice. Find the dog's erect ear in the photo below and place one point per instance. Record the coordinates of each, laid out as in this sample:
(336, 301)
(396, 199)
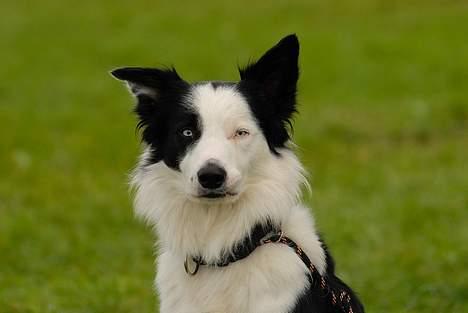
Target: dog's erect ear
(156, 91)
(149, 82)
(270, 85)
(276, 72)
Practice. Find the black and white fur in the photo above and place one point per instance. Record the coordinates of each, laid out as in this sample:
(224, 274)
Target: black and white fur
(217, 162)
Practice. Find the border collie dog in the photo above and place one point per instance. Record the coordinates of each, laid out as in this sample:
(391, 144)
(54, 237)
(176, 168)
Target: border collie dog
(219, 181)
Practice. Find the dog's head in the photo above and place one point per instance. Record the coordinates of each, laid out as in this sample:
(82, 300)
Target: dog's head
(213, 135)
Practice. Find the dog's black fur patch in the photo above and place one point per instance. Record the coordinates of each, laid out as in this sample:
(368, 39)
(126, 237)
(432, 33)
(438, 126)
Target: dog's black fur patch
(162, 111)
(270, 87)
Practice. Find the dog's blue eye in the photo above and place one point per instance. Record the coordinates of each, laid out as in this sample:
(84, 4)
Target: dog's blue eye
(187, 132)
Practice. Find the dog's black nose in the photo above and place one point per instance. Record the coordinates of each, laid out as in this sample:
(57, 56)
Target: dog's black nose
(211, 176)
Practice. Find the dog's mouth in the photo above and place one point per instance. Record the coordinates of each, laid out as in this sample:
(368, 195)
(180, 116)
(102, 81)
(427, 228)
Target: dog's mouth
(216, 194)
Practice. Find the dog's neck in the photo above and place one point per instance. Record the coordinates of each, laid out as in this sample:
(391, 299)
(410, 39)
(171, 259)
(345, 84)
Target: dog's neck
(212, 229)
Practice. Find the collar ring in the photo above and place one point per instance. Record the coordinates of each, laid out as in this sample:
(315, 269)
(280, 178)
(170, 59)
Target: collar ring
(187, 266)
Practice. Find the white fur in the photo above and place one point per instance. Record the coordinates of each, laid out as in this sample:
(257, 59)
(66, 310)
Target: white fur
(267, 187)
(222, 111)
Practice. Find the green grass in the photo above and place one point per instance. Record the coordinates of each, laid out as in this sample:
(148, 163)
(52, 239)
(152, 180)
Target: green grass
(383, 130)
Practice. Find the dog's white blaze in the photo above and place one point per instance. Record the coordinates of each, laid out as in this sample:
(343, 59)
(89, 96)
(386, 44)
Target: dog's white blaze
(222, 111)
(272, 277)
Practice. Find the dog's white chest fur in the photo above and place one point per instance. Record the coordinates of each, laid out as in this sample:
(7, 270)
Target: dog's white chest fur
(269, 280)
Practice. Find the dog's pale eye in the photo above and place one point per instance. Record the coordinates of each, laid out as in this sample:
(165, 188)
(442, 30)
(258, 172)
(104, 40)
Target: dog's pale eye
(187, 132)
(242, 132)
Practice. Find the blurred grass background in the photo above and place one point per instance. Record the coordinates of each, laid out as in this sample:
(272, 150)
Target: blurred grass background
(383, 130)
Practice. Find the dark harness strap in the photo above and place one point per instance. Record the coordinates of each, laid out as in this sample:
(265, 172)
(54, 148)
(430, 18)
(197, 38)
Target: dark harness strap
(245, 248)
(268, 234)
(339, 298)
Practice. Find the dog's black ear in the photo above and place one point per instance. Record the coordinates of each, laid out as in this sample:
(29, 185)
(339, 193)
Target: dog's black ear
(148, 82)
(271, 85)
(156, 92)
(277, 71)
